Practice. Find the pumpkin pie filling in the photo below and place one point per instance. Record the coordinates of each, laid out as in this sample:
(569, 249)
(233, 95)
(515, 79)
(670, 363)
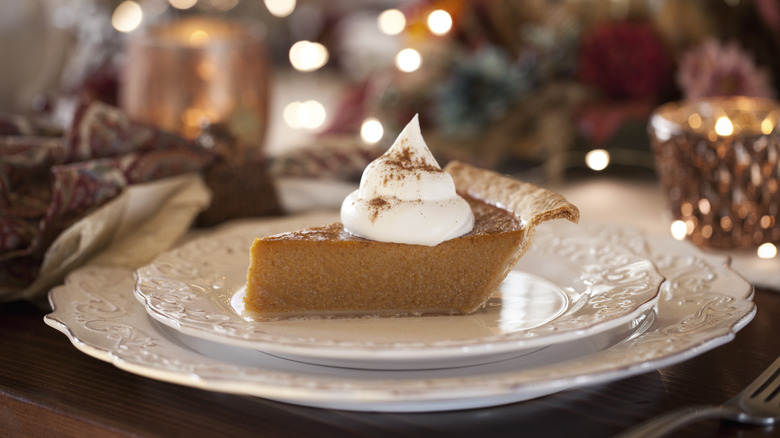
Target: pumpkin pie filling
(327, 271)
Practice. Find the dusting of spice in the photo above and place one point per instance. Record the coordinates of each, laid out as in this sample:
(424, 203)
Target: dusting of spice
(402, 161)
(404, 158)
(405, 197)
(377, 205)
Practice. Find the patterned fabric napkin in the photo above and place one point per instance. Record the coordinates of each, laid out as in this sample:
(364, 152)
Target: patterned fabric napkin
(64, 193)
(51, 179)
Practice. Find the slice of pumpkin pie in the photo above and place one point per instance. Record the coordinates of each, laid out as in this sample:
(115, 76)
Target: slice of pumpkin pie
(414, 240)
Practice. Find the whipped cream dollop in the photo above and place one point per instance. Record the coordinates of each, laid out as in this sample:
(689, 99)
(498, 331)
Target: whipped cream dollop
(405, 197)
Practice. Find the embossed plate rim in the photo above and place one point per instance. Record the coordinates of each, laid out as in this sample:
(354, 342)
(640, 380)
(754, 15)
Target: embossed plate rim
(617, 285)
(704, 304)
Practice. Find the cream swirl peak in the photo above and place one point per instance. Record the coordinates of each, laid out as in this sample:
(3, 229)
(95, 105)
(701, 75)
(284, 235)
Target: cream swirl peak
(405, 197)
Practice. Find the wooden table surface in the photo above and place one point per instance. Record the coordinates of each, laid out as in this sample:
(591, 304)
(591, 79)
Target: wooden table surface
(48, 389)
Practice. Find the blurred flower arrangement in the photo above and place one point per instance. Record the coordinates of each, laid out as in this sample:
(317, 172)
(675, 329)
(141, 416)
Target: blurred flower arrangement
(625, 60)
(519, 82)
(715, 69)
(488, 89)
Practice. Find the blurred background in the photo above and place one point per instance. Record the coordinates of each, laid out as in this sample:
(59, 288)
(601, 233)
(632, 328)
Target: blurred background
(288, 100)
(512, 85)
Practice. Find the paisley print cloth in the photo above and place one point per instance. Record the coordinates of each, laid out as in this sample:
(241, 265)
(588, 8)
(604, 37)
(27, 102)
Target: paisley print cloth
(50, 179)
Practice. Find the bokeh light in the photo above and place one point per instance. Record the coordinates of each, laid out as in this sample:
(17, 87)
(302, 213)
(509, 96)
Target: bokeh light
(309, 115)
(391, 22)
(679, 230)
(308, 56)
(767, 251)
(371, 131)
(127, 16)
(290, 115)
(408, 60)
(597, 159)
(439, 22)
(280, 8)
(704, 206)
(767, 126)
(694, 120)
(723, 126)
(183, 4)
(199, 38)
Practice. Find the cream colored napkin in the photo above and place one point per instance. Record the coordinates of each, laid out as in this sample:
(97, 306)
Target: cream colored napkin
(145, 220)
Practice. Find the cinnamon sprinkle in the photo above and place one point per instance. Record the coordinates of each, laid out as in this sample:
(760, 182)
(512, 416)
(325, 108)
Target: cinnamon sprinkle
(377, 205)
(405, 159)
(400, 161)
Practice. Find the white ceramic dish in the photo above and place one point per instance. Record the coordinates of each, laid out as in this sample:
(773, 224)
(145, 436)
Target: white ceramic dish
(703, 303)
(569, 286)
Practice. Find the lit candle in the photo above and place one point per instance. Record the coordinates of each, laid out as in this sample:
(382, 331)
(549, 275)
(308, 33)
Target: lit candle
(723, 126)
(189, 74)
(714, 158)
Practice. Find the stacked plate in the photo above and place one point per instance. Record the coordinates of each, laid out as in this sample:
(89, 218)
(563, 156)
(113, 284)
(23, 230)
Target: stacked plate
(586, 304)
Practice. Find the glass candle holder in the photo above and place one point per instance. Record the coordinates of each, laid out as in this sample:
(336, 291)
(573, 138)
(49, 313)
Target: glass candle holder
(717, 160)
(196, 73)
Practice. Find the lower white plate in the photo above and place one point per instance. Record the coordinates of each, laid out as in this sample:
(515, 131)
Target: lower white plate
(570, 285)
(702, 304)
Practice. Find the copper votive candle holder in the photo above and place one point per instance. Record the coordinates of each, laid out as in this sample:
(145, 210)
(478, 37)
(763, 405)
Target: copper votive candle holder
(198, 72)
(717, 161)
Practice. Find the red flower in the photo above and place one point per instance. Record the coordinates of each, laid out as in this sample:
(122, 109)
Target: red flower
(625, 60)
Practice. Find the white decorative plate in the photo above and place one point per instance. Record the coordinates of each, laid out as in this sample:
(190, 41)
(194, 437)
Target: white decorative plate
(568, 286)
(703, 304)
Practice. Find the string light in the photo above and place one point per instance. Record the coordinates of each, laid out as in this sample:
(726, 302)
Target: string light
(371, 131)
(695, 121)
(597, 159)
(679, 230)
(704, 206)
(183, 4)
(439, 22)
(199, 38)
(767, 251)
(280, 8)
(408, 60)
(391, 22)
(290, 115)
(767, 126)
(304, 115)
(308, 56)
(127, 16)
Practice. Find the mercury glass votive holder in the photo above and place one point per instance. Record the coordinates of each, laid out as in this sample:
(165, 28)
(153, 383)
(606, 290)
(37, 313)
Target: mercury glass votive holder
(717, 161)
(198, 72)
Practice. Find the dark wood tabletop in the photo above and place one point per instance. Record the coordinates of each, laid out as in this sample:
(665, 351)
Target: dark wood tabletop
(50, 389)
